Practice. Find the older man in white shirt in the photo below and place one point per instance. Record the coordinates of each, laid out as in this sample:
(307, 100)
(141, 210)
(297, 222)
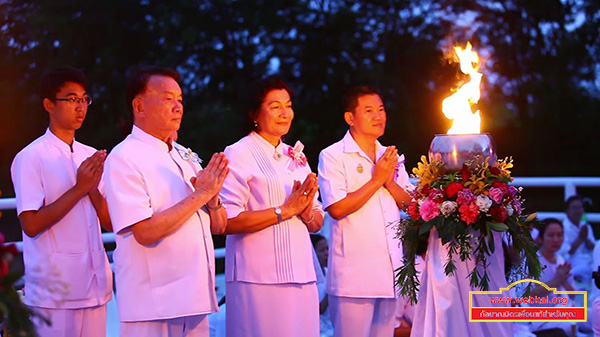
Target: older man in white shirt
(362, 186)
(164, 207)
(60, 206)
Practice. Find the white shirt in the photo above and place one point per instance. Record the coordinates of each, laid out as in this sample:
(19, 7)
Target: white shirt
(260, 177)
(71, 250)
(364, 251)
(549, 272)
(571, 232)
(174, 277)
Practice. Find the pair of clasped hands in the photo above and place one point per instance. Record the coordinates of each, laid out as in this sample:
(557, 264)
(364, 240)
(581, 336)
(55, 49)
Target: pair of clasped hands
(385, 167)
(208, 181)
(90, 172)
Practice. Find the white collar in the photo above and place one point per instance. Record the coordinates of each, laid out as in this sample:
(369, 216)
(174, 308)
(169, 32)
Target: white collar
(147, 138)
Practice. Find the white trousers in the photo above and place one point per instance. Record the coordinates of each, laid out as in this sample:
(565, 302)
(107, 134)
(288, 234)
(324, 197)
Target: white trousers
(272, 310)
(362, 317)
(189, 326)
(86, 322)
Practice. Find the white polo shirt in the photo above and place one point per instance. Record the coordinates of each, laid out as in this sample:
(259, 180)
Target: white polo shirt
(364, 250)
(260, 177)
(174, 277)
(71, 250)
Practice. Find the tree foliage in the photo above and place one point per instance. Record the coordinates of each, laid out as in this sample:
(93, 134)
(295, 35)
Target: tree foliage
(541, 68)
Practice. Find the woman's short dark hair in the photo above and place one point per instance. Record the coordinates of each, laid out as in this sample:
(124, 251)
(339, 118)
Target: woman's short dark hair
(55, 79)
(256, 95)
(351, 96)
(316, 238)
(546, 223)
(138, 82)
(571, 199)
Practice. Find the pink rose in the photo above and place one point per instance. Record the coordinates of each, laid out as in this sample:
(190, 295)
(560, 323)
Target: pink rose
(513, 191)
(465, 196)
(496, 195)
(429, 209)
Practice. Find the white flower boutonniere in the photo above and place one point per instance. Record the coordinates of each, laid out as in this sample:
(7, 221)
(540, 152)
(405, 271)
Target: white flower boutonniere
(187, 153)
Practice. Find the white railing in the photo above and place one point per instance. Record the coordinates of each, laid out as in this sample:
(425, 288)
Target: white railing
(569, 184)
(11, 203)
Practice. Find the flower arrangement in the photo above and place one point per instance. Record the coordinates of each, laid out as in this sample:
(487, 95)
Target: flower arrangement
(465, 206)
(15, 317)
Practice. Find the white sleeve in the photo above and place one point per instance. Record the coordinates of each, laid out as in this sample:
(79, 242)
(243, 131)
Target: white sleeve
(236, 191)
(332, 179)
(27, 180)
(126, 194)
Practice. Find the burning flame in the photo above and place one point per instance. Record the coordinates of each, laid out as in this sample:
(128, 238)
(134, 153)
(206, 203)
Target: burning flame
(458, 105)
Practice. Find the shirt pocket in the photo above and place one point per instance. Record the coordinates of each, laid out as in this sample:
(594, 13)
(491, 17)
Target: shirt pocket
(75, 270)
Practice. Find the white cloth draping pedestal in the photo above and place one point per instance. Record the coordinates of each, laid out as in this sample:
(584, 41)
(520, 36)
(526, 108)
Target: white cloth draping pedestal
(443, 301)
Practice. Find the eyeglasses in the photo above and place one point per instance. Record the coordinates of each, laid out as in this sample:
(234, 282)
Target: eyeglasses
(73, 100)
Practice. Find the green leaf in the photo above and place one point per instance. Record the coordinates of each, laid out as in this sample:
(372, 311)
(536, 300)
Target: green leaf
(497, 226)
(426, 227)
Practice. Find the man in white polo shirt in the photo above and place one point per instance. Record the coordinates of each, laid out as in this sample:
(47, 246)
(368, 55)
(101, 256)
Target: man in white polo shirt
(362, 189)
(164, 207)
(56, 183)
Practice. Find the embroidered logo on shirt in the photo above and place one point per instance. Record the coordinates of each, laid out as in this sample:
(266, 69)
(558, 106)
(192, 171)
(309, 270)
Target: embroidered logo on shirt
(359, 168)
(188, 154)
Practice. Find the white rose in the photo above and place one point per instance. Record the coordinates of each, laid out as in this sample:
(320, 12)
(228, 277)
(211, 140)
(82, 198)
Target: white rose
(484, 203)
(509, 210)
(448, 207)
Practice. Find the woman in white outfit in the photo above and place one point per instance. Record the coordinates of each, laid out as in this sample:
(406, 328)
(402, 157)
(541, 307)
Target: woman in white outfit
(271, 201)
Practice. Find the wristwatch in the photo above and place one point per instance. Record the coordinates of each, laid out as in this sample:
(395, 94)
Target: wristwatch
(278, 212)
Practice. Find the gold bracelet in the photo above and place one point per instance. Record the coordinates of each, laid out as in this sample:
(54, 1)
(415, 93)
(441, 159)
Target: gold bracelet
(312, 217)
(219, 205)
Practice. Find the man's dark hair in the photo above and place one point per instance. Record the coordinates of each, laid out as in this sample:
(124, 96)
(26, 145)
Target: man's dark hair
(256, 95)
(55, 79)
(350, 98)
(138, 82)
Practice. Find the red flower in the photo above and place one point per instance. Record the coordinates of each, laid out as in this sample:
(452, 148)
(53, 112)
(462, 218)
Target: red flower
(436, 195)
(4, 267)
(501, 185)
(495, 171)
(465, 173)
(469, 212)
(413, 211)
(452, 189)
(425, 190)
(499, 213)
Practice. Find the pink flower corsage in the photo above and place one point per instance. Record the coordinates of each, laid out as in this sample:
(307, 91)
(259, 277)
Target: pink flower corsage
(297, 157)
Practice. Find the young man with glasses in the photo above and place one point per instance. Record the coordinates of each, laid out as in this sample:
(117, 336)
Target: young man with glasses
(60, 206)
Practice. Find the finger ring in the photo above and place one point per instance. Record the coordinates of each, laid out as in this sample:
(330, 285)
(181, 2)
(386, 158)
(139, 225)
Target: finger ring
(304, 193)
